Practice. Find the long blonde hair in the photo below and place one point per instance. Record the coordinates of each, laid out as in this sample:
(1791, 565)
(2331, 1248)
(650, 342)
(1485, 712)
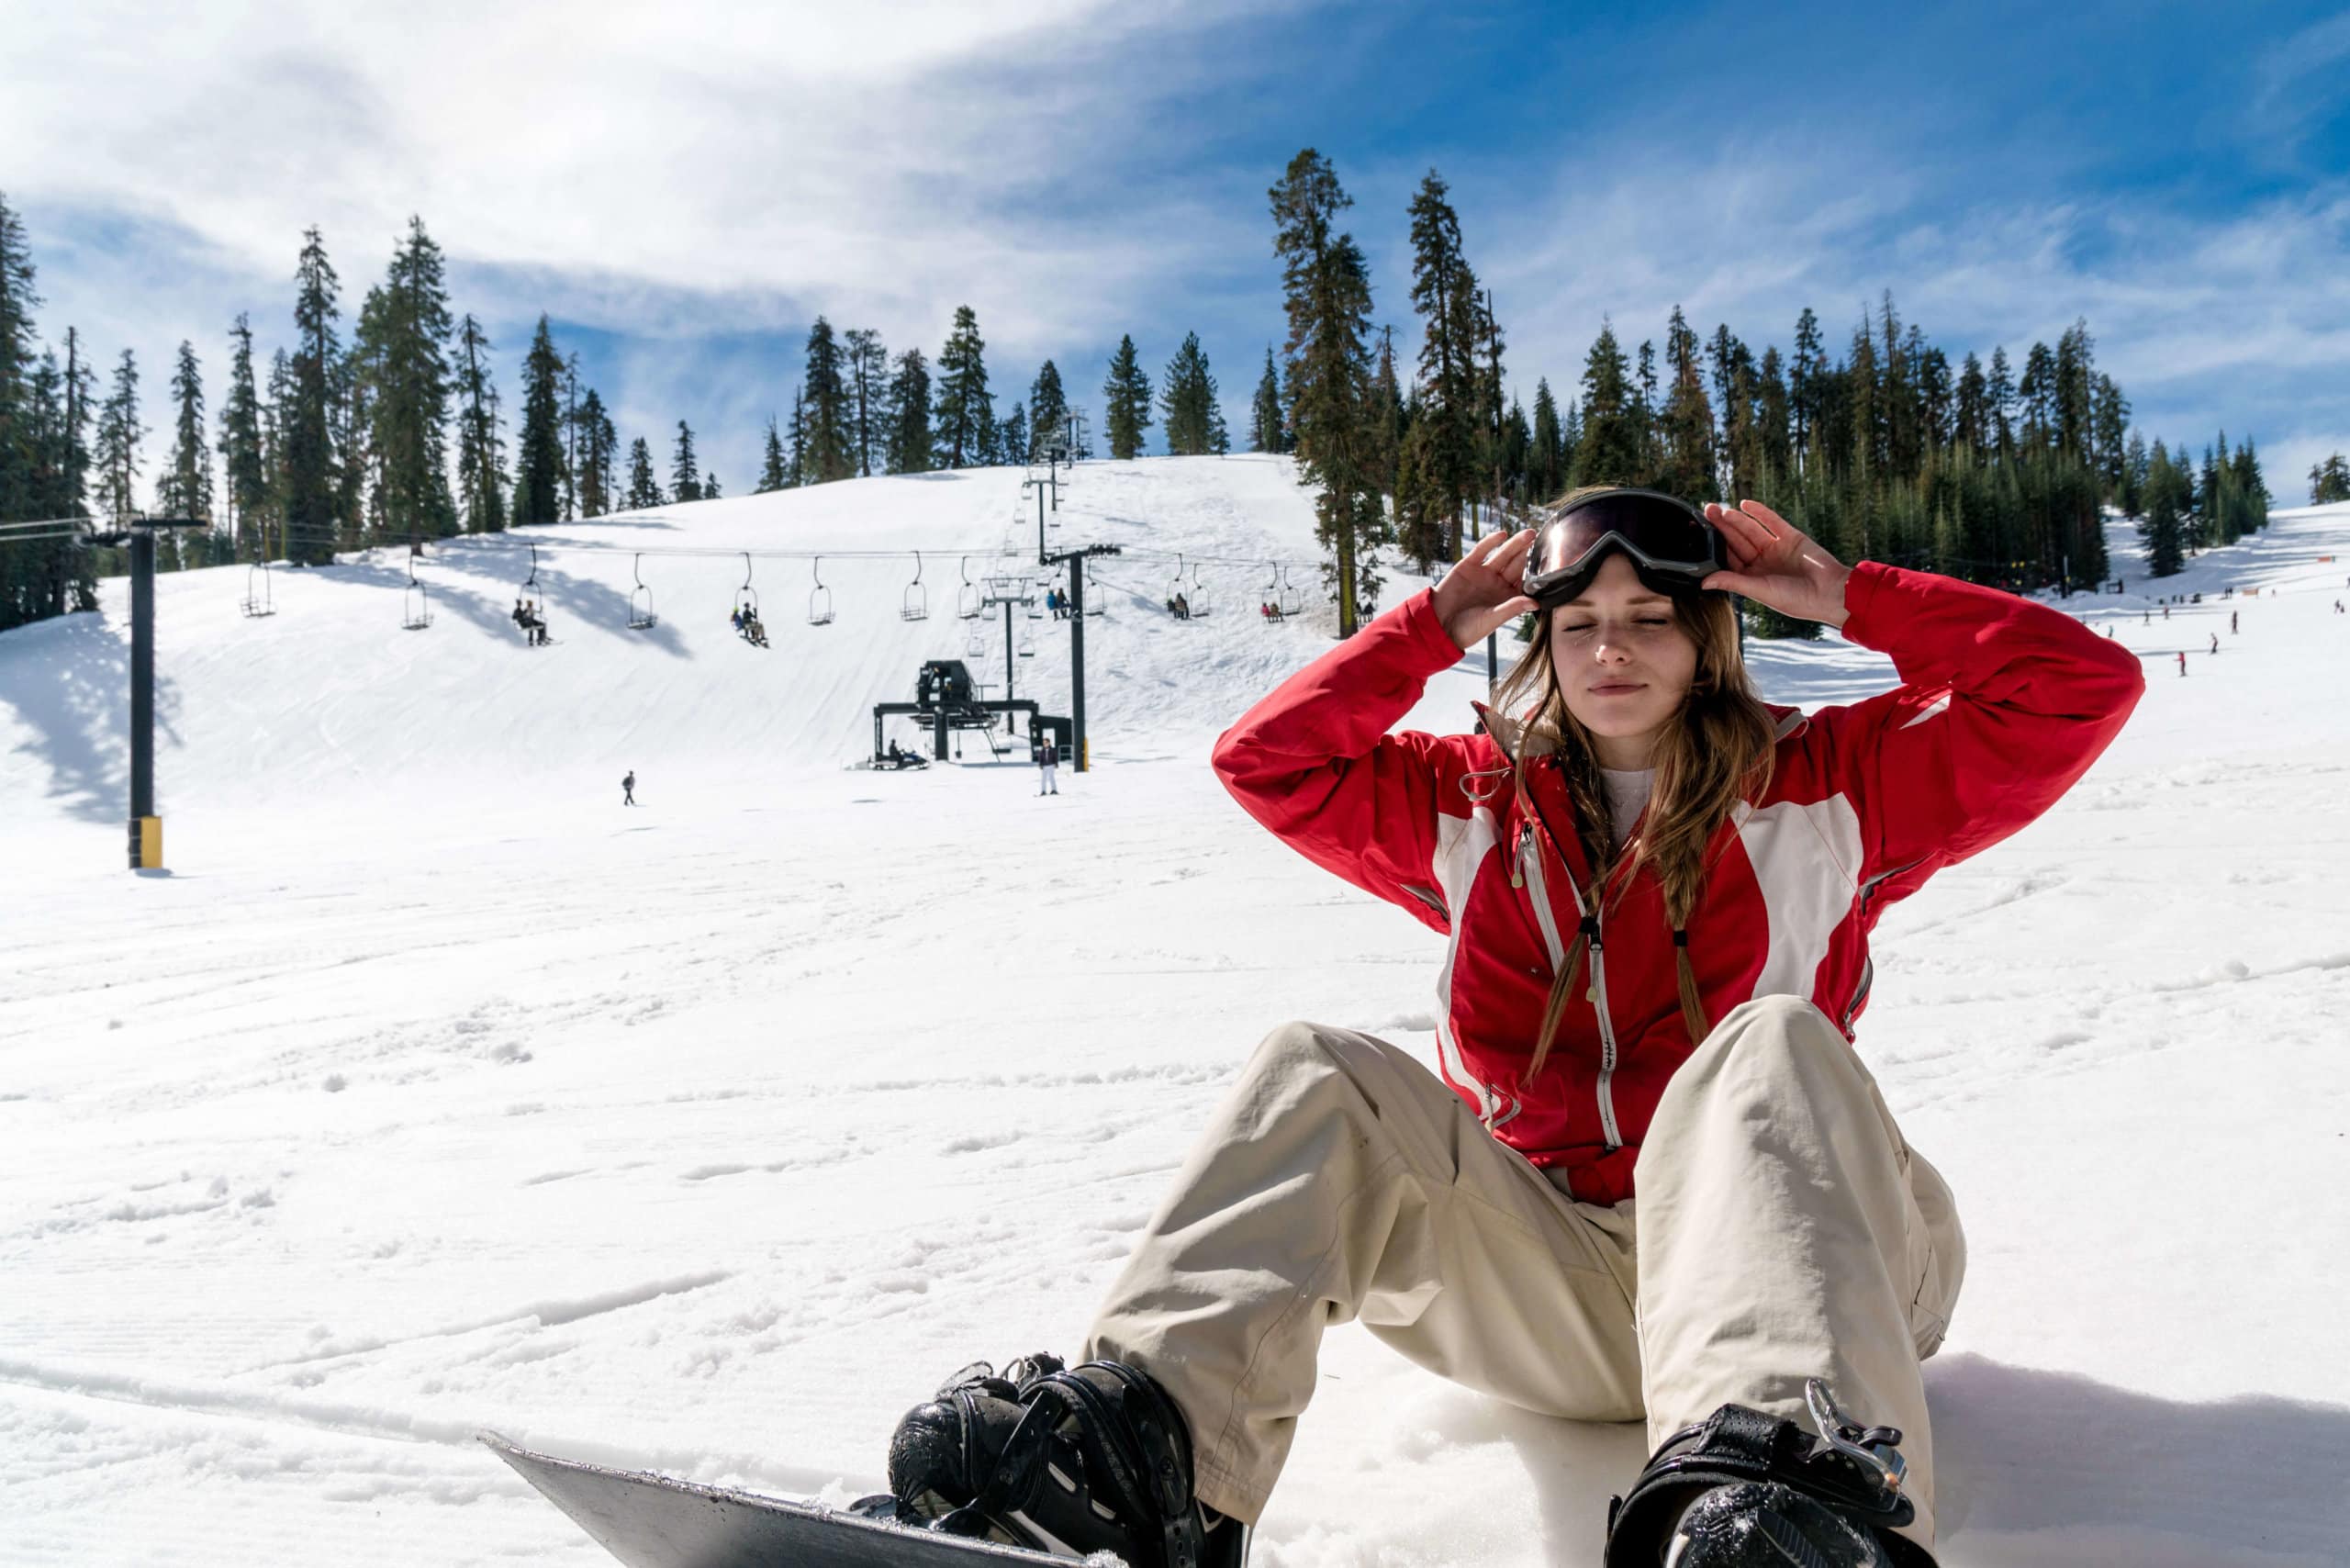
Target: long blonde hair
(1721, 751)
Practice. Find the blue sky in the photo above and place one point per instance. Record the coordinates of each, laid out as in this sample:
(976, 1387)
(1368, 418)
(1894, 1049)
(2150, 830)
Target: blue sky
(683, 190)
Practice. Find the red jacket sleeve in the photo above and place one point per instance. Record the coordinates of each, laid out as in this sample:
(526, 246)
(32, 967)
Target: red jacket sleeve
(1314, 761)
(2003, 705)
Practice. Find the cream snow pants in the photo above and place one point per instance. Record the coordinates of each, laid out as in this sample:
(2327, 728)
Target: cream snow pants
(1782, 1231)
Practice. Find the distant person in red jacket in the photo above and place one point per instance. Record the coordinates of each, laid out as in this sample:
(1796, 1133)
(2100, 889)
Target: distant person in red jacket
(1655, 893)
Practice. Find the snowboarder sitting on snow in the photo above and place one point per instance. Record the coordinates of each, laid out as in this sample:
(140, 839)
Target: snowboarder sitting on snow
(1655, 1178)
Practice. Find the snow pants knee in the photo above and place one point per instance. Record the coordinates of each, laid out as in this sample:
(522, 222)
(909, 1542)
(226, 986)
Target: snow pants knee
(1783, 1230)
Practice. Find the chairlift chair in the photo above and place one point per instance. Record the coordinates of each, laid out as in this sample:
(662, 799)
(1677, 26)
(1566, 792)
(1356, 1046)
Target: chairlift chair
(640, 602)
(969, 605)
(1027, 649)
(1198, 598)
(1034, 600)
(917, 600)
(975, 641)
(820, 598)
(746, 597)
(1287, 601)
(1097, 601)
(258, 601)
(415, 605)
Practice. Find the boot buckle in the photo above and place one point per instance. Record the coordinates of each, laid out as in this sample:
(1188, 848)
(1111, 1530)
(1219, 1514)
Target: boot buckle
(1872, 1449)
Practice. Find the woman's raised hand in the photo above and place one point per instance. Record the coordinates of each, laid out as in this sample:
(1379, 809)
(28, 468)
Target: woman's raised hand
(1777, 564)
(1479, 595)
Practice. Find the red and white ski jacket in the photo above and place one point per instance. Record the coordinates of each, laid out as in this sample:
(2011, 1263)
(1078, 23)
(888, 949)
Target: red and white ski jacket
(2003, 703)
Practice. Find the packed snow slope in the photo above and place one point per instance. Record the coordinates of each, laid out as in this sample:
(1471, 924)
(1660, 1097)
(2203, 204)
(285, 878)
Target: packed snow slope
(434, 1090)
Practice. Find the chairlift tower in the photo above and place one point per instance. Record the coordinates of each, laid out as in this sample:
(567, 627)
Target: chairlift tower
(146, 826)
(1075, 561)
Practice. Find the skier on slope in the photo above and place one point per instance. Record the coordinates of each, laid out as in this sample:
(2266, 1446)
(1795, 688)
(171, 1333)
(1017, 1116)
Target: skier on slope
(1656, 894)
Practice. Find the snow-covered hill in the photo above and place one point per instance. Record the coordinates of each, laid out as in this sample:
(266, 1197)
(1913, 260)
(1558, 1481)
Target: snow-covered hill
(436, 1090)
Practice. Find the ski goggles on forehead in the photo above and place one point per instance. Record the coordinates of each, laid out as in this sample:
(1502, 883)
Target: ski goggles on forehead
(1669, 542)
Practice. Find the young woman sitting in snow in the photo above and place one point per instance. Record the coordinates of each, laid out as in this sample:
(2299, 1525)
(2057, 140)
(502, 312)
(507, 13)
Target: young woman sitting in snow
(1655, 1178)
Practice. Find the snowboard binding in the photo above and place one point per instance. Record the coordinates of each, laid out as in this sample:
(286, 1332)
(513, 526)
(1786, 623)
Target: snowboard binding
(1745, 1490)
(1069, 1462)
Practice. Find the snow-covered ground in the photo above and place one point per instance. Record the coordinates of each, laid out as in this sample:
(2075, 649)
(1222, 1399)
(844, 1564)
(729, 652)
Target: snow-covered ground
(433, 1089)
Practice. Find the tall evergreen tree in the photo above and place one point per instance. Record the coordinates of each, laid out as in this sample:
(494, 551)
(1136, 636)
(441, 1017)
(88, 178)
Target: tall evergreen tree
(909, 441)
(1327, 289)
(538, 448)
(773, 475)
(868, 371)
(19, 348)
(244, 479)
(1048, 407)
(1014, 435)
(685, 472)
(402, 347)
(1187, 400)
(961, 409)
(1609, 452)
(596, 441)
(1445, 295)
(313, 482)
(120, 433)
(1547, 463)
(2164, 528)
(644, 488)
(1685, 426)
(184, 487)
(830, 434)
(1126, 401)
(1266, 421)
(481, 449)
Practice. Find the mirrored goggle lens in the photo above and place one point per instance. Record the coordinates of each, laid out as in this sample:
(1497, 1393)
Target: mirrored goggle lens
(1667, 535)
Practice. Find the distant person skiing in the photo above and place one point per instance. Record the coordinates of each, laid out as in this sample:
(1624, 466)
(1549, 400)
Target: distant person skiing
(2182, 661)
(2215, 641)
(628, 788)
(2232, 622)
(1643, 877)
(1048, 761)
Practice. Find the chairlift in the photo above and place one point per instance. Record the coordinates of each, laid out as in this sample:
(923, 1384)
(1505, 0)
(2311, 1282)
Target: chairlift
(416, 606)
(640, 601)
(1033, 600)
(1198, 598)
(917, 601)
(258, 601)
(746, 597)
(969, 605)
(1027, 641)
(1097, 601)
(1288, 602)
(820, 598)
(975, 641)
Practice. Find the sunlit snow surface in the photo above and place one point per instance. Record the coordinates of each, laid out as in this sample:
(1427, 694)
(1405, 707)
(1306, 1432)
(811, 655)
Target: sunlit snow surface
(434, 1090)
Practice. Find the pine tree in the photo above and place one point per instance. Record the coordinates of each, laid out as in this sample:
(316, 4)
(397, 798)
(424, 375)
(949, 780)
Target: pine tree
(961, 408)
(909, 441)
(1047, 408)
(2330, 480)
(685, 473)
(1444, 294)
(710, 486)
(869, 369)
(19, 350)
(1609, 452)
(644, 489)
(1014, 435)
(410, 370)
(2163, 527)
(570, 417)
(1547, 463)
(538, 448)
(1327, 289)
(1187, 397)
(481, 450)
(1686, 425)
(313, 484)
(185, 487)
(597, 438)
(1266, 431)
(1126, 401)
(772, 473)
(1386, 416)
(829, 435)
(120, 433)
(245, 480)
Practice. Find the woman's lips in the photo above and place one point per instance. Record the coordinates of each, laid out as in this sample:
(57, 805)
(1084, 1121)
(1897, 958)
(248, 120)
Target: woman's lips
(1617, 687)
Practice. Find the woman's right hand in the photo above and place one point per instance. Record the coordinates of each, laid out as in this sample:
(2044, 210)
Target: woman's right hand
(1479, 595)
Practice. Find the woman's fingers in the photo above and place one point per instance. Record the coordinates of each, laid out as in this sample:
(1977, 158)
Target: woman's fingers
(1740, 526)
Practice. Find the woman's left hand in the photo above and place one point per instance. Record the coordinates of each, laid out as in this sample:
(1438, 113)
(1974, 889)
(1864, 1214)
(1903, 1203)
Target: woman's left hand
(1777, 564)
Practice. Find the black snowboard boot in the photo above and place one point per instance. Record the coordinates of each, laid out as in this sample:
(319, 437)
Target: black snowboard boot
(1746, 1490)
(1070, 1462)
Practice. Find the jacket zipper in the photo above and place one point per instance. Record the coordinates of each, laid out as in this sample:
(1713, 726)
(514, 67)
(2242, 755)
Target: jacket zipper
(1530, 862)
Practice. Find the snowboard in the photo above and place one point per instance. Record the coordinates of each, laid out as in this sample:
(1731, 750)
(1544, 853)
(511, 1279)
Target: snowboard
(658, 1521)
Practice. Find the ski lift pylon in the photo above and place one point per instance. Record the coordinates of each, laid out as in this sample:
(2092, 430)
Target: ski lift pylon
(639, 599)
(917, 601)
(820, 598)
